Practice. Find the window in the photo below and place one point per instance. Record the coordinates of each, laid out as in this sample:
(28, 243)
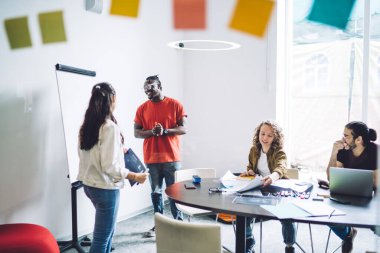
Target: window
(377, 70)
(326, 83)
(316, 72)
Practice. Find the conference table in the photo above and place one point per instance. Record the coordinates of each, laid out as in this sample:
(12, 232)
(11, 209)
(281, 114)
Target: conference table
(362, 213)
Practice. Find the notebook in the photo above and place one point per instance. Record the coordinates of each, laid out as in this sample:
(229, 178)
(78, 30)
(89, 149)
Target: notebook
(353, 182)
(133, 163)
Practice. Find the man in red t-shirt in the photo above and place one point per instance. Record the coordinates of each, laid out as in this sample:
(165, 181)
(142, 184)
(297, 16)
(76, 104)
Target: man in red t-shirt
(160, 121)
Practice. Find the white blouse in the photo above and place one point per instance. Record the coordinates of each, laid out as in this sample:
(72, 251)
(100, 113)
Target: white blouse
(263, 168)
(103, 165)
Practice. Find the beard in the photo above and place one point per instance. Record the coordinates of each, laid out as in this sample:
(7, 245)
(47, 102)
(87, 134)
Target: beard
(352, 146)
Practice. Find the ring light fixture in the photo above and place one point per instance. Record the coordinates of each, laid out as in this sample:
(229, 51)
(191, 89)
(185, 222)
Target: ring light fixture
(222, 45)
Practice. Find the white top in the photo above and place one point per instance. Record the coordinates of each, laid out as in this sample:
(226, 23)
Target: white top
(103, 165)
(262, 167)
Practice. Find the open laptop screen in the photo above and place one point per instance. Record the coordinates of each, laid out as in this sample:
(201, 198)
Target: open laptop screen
(352, 182)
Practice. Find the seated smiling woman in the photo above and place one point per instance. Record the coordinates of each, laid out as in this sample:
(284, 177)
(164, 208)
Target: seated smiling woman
(268, 159)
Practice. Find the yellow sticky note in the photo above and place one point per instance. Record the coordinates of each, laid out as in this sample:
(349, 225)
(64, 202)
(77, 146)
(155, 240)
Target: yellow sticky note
(18, 32)
(52, 27)
(252, 16)
(128, 8)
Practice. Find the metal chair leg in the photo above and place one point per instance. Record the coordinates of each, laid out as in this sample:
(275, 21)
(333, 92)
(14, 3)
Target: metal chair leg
(328, 239)
(233, 224)
(261, 236)
(311, 239)
(224, 247)
(299, 246)
(327, 243)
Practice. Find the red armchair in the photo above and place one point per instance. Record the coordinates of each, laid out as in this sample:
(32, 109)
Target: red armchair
(26, 238)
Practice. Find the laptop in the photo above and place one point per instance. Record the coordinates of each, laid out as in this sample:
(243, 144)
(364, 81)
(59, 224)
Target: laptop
(353, 182)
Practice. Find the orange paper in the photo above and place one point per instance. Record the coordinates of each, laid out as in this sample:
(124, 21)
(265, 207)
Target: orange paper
(189, 14)
(252, 16)
(128, 8)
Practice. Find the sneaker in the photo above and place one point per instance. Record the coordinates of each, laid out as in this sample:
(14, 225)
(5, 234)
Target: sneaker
(150, 233)
(289, 249)
(251, 250)
(347, 243)
(249, 243)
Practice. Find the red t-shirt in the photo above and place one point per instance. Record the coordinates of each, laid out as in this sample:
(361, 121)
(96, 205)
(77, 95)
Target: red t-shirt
(160, 149)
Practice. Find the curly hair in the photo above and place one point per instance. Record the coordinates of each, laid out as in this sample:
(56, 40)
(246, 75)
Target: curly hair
(278, 140)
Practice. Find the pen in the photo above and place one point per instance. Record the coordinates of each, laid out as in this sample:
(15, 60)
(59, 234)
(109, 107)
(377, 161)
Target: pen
(331, 213)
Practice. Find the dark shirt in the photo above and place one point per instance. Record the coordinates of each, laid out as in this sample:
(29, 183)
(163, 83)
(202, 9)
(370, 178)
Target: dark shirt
(366, 161)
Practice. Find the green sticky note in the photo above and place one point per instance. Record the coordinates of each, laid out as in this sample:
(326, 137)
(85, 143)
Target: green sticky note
(18, 32)
(331, 12)
(52, 27)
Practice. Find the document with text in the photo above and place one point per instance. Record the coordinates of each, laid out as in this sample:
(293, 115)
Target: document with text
(234, 183)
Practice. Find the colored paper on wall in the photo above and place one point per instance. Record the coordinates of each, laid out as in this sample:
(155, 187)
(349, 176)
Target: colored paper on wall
(189, 14)
(252, 16)
(52, 27)
(128, 8)
(94, 6)
(335, 13)
(18, 32)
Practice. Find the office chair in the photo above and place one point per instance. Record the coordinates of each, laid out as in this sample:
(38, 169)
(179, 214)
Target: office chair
(187, 174)
(173, 236)
(24, 238)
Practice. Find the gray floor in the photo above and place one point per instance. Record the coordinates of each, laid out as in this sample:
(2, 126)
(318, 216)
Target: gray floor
(128, 237)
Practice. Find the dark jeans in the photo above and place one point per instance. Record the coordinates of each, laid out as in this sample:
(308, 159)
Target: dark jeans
(157, 173)
(289, 231)
(341, 231)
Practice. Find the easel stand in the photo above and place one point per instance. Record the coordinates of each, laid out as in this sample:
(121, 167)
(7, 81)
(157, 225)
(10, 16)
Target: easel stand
(75, 242)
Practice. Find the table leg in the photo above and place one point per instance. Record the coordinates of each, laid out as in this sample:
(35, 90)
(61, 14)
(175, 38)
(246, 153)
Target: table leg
(240, 234)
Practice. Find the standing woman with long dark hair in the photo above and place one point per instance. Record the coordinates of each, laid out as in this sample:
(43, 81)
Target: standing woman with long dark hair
(101, 164)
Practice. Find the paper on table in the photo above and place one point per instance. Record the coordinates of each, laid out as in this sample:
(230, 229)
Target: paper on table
(292, 184)
(234, 184)
(256, 200)
(286, 211)
(317, 208)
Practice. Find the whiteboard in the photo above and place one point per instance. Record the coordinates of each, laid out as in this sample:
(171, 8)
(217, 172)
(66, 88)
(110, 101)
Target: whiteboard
(74, 89)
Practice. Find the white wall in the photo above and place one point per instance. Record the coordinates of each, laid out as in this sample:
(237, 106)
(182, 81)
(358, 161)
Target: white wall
(225, 94)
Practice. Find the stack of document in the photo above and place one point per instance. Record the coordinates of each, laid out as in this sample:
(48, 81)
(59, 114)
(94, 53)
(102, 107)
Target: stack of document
(234, 183)
(293, 184)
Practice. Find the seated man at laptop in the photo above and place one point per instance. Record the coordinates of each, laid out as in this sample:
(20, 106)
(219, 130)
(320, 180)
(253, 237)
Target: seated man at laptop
(356, 150)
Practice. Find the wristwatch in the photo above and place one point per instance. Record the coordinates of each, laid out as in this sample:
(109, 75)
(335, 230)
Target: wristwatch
(165, 132)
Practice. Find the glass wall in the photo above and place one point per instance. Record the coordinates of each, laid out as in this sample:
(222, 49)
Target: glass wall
(374, 70)
(326, 83)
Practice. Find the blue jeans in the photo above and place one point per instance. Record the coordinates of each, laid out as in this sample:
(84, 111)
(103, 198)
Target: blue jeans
(157, 173)
(289, 231)
(106, 203)
(341, 231)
